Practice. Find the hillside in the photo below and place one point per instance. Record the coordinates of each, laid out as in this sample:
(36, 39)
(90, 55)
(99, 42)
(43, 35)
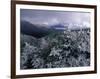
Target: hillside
(56, 50)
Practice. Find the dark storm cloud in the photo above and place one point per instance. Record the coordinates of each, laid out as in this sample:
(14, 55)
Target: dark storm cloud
(50, 17)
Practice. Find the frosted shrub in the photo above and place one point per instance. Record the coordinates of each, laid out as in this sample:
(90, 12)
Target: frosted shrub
(56, 50)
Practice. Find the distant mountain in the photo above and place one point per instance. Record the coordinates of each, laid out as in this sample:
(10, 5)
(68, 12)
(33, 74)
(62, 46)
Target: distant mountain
(39, 31)
(34, 30)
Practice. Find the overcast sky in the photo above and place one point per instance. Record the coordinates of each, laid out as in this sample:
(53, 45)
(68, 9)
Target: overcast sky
(49, 17)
